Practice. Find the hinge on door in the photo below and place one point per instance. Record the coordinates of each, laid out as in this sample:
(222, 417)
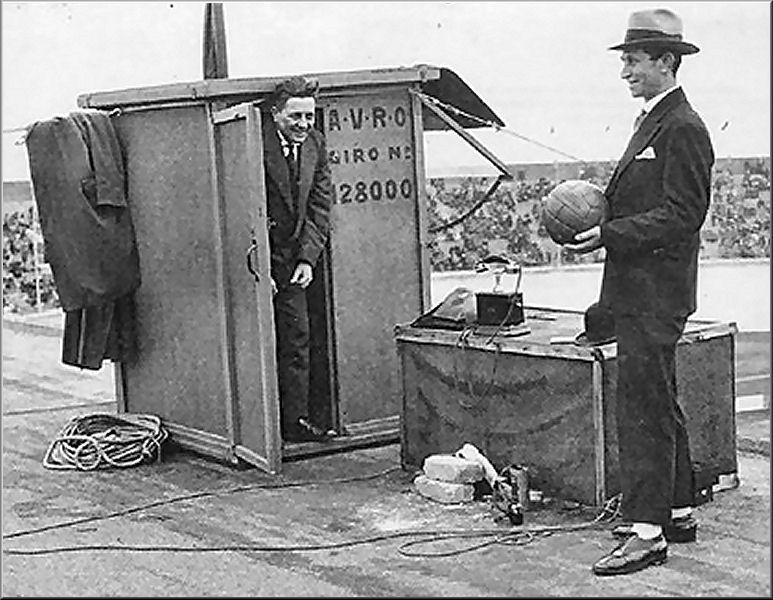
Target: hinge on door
(233, 113)
(229, 114)
(231, 456)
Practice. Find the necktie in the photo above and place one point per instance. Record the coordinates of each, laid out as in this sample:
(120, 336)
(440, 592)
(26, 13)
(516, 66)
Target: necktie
(639, 119)
(291, 156)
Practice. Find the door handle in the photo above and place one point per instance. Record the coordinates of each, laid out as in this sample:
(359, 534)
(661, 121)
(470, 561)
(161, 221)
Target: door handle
(250, 251)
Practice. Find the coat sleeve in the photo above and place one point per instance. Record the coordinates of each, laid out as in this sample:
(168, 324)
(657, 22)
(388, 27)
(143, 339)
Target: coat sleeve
(686, 189)
(316, 226)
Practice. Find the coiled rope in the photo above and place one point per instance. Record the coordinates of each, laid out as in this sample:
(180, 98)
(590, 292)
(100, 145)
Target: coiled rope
(101, 440)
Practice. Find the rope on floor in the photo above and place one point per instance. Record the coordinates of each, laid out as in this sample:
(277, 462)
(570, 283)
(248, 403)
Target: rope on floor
(89, 442)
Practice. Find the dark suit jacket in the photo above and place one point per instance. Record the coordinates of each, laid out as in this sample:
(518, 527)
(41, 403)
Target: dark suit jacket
(657, 207)
(77, 170)
(297, 233)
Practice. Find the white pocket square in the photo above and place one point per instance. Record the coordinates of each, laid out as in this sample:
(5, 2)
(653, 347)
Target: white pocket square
(648, 152)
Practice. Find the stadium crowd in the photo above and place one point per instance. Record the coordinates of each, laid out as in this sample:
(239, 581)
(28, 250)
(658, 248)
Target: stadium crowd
(739, 219)
(508, 222)
(737, 226)
(27, 278)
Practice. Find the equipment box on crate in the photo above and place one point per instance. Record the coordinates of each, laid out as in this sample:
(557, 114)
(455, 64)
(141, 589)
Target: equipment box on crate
(551, 407)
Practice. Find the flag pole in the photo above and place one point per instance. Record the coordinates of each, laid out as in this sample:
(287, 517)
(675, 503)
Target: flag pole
(214, 54)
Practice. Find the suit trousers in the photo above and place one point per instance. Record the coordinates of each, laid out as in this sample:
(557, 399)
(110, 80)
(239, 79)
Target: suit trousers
(291, 320)
(655, 466)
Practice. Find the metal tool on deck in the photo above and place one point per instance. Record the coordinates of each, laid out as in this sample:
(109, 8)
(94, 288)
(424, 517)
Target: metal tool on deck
(505, 495)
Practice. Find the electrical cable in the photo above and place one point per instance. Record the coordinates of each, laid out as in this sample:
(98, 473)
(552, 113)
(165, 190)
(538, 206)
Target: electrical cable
(194, 496)
(494, 125)
(491, 124)
(58, 408)
(489, 385)
(516, 536)
(462, 343)
(474, 208)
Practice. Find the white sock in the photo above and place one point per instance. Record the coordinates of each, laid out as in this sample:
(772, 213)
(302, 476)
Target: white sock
(646, 531)
(679, 513)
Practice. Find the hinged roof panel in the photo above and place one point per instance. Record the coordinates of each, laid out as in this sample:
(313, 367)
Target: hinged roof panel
(439, 82)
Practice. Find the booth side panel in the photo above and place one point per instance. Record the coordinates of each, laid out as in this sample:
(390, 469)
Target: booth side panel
(375, 248)
(179, 374)
(375, 288)
(516, 409)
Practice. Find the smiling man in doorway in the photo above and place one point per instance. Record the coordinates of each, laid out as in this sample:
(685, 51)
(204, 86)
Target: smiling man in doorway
(658, 197)
(299, 194)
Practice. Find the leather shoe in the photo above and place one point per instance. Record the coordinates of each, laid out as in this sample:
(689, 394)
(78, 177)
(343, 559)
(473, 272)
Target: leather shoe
(679, 531)
(634, 554)
(306, 431)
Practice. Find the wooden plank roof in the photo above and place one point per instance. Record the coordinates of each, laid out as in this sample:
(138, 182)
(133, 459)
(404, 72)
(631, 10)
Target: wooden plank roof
(439, 82)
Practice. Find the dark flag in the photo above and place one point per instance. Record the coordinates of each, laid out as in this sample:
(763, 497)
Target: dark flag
(215, 58)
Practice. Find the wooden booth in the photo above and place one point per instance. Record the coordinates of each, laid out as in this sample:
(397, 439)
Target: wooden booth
(551, 407)
(194, 168)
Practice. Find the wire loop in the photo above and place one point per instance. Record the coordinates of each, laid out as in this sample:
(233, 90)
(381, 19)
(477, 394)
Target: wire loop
(93, 441)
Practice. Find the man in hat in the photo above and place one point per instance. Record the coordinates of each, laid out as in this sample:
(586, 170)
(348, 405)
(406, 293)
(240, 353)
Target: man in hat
(299, 193)
(658, 197)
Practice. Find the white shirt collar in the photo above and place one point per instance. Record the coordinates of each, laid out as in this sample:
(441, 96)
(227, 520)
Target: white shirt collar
(287, 145)
(652, 102)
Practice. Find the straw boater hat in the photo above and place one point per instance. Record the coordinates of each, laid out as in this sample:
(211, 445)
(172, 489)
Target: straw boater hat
(658, 27)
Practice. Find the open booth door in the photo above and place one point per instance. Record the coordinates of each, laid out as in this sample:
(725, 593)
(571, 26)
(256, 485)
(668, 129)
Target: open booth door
(240, 189)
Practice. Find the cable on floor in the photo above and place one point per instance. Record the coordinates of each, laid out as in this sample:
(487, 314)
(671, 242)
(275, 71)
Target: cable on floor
(194, 496)
(514, 536)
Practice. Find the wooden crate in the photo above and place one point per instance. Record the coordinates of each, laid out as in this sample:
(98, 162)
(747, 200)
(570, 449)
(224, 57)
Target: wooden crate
(521, 400)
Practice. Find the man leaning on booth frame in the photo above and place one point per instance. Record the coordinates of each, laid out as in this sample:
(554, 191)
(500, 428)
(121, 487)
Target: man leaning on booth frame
(658, 197)
(298, 195)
